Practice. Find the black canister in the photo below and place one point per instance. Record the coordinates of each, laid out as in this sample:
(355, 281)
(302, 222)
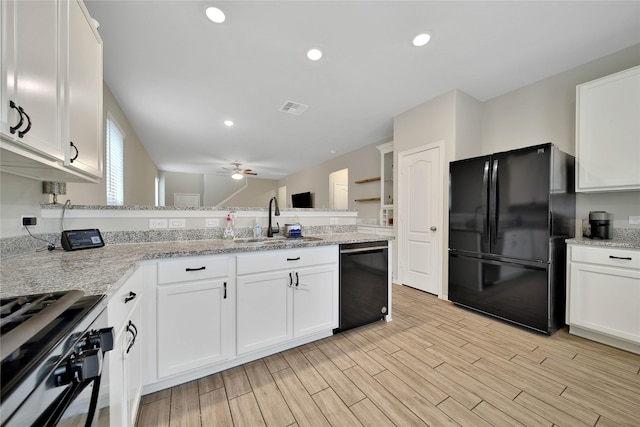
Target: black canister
(601, 223)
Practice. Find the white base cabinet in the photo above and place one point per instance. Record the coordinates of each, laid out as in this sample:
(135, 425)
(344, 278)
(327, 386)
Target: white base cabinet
(195, 305)
(284, 295)
(208, 314)
(604, 295)
(125, 360)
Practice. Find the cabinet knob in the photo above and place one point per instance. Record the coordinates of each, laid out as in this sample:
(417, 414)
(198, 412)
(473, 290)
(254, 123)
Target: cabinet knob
(434, 228)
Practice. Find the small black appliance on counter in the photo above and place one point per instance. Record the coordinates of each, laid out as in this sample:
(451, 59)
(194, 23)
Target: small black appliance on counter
(601, 223)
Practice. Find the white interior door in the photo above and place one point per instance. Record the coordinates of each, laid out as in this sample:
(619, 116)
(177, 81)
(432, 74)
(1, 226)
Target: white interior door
(282, 196)
(340, 196)
(419, 229)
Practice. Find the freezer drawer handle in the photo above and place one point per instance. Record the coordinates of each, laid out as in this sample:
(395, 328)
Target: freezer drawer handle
(626, 258)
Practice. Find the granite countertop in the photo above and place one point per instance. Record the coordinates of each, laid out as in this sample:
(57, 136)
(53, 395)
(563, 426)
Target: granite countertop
(611, 243)
(103, 270)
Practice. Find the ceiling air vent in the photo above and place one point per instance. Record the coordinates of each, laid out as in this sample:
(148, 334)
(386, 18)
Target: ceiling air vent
(294, 108)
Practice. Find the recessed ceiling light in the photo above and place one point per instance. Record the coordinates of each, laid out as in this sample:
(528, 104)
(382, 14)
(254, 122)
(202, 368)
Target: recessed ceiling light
(314, 54)
(228, 123)
(332, 151)
(421, 39)
(215, 15)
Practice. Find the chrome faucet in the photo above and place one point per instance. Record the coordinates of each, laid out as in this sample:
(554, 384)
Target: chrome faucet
(270, 230)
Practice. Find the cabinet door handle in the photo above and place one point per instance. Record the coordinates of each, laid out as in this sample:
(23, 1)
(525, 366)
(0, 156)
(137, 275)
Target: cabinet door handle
(297, 280)
(290, 279)
(131, 328)
(28, 128)
(13, 129)
(77, 152)
(293, 259)
(225, 291)
(195, 269)
(626, 258)
(130, 297)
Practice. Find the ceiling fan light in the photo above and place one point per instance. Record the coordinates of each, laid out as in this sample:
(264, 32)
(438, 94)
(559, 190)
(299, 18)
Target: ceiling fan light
(237, 175)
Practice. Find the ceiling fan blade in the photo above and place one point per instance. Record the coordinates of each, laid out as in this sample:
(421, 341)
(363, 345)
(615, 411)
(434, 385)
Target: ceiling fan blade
(249, 173)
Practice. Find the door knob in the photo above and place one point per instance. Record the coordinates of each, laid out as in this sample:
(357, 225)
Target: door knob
(434, 228)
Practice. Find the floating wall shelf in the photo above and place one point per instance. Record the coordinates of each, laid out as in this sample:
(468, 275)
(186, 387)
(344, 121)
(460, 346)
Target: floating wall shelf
(364, 181)
(370, 199)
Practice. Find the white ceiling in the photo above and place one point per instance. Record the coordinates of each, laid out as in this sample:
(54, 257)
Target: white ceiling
(178, 76)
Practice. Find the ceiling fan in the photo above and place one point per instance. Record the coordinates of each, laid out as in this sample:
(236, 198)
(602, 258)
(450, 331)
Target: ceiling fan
(236, 172)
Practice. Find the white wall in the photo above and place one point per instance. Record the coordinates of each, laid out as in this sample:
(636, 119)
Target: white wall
(179, 182)
(19, 196)
(362, 163)
(257, 194)
(139, 170)
(545, 112)
(23, 196)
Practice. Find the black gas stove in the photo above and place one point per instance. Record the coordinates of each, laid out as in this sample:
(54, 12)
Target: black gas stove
(52, 347)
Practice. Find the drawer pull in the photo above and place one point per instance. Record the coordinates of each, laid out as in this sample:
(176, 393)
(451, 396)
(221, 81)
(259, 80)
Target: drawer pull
(130, 297)
(293, 259)
(626, 258)
(195, 269)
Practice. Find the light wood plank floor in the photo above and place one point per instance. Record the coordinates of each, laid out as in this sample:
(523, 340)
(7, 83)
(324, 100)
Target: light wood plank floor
(435, 364)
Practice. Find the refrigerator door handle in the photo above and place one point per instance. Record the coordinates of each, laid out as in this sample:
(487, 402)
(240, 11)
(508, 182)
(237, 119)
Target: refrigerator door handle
(485, 203)
(493, 203)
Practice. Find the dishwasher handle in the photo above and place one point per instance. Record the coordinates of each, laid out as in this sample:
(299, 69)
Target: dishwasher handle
(364, 250)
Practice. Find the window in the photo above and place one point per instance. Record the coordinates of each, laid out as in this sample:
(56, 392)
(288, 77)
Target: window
(115, 163)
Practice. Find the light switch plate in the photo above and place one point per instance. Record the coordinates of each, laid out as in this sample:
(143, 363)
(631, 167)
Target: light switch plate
(634, 219)
(177, 223)
(157, 223)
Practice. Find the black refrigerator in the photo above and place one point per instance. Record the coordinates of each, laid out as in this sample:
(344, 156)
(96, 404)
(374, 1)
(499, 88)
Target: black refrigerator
(509, 216)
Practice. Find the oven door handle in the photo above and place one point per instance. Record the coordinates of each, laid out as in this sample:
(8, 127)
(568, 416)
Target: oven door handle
(55, 411)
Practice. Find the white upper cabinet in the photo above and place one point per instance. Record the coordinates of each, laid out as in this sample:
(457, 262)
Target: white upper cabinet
(608, 133)
(83, 94)
(31, 38)
(51, 81)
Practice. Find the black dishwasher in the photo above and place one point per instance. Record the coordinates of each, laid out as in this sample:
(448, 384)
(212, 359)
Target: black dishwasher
(364, 280)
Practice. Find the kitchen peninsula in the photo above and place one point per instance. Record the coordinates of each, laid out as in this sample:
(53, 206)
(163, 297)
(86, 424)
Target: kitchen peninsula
(194, 305)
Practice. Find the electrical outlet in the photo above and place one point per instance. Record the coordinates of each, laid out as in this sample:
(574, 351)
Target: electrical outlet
(634, 219)
(333, 221)
(212, 222)
(177, 223)
(28, 220)
(157, 223)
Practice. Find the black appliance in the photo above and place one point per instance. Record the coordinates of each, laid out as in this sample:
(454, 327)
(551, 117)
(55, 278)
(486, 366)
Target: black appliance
(364, 283)
(601, 225)
(509, 216)
(54, 348)
(301, 200)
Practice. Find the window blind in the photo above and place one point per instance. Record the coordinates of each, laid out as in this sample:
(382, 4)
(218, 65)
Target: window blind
(115, 164)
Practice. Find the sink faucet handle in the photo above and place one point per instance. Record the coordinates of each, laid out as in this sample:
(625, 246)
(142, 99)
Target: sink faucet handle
(277, 229)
